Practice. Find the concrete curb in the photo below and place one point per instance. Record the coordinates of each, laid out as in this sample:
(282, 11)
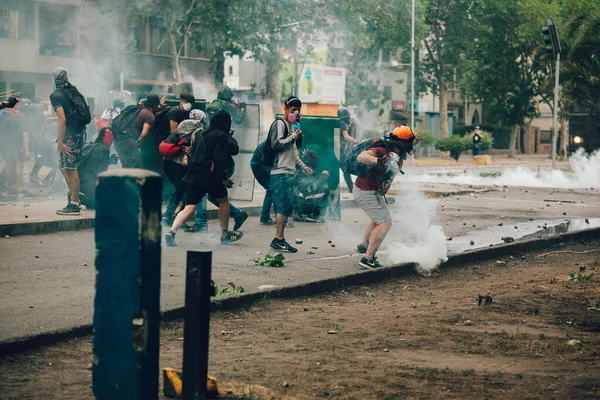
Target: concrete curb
(44, 227)
(320, 287)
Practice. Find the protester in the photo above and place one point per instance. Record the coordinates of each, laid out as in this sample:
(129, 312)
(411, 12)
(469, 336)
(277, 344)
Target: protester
(174, 149)
(281, 154)
(383, 160)
(347, 142)
(46, 154)
(110, 114)
(132, 128)
(14, 148)
(176, 115)
(239, 216)
(262, 174)
(9, 103)
(206, 175)
(312, 192)
(476, 137)
(95, 159)
(226, 101)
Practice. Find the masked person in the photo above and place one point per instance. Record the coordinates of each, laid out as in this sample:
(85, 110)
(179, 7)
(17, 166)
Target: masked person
(14, 148)
(476, 137)
(281, 154)
(347, 142)
(132, 128)
(382, 160)
(110, 114)
(206, 175)
(176, 115)
(262, 174)
(174, 149)
(95, 159)
(226, 101)
(73, 116)
(312, 192)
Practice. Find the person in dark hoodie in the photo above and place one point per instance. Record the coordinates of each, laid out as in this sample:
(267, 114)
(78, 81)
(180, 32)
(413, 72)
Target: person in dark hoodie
(206, 175)
(95, 159)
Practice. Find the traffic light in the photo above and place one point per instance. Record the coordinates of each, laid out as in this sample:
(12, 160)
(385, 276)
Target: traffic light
(551, 38)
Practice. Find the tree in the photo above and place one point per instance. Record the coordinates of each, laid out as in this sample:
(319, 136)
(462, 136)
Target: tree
(449, 30)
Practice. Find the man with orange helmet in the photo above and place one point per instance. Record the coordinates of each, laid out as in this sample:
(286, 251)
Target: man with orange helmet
(382, 161)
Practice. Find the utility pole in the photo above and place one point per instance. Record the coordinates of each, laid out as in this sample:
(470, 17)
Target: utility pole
(553, 47)
(412, 68)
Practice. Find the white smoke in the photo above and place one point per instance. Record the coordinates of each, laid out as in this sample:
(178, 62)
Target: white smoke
(584, 173)
(416, 234)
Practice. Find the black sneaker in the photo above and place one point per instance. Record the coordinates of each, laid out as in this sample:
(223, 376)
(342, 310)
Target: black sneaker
(369, 262)
(232, 236)
(361, 248)
(282, 245)
(240, 221)
(170, 239)
(270, 221)
(70, 209)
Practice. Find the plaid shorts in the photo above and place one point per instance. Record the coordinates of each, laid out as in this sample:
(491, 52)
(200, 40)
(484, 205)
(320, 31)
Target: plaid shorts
(75, 141)
(282, 186)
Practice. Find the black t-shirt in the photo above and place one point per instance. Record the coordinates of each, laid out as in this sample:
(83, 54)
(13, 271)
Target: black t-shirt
(476, 137)
(175, 114)
(58, 100)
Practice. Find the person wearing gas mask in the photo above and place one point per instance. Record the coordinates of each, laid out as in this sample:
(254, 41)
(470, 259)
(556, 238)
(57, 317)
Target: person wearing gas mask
(381, 160)
(226, 101)
(347, 142)
(281, 154)
(176, 115)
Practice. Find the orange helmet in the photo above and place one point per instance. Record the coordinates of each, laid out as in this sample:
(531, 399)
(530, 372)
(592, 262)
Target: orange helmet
(402, 133)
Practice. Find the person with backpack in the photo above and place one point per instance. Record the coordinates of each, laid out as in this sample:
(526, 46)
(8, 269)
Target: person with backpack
(206, 175)
(73, 116)
(14, 148)
(376, 163)
(132, 128)
(176, 115)
(262, 174)
(226, 101)
(174, 149)
(281, 155)
(347, 142)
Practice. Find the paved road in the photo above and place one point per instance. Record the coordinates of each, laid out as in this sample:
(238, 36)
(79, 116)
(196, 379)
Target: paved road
(47, 281)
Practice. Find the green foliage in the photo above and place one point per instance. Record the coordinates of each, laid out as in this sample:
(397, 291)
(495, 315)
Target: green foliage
(580, 277)
(230, 289)
(427, 137)
(270, 260)
(456, 144)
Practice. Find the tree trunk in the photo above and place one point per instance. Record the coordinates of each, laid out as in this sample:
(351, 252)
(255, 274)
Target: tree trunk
(444, 131)
(175, 53)
(513, 140)
(219, 67)
(525, 138)
(564, 138)
(273, 66)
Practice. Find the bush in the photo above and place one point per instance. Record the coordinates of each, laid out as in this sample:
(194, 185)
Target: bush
(427, 137)
(455, 144)
(501, 134)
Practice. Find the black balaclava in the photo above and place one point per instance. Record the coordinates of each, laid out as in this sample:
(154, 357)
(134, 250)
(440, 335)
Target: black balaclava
(61, 81)
(221, 121)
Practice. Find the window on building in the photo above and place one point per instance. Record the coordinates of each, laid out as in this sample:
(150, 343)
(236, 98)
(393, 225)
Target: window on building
(159, 41)
(27, 89)
(58, 30)
(230, 70)
(200, 48)
(17, 19)
(545, 137)
(136, 39)
(387, 93)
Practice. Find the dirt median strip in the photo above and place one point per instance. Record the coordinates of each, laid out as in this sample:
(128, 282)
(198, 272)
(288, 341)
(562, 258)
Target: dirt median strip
(321, 286)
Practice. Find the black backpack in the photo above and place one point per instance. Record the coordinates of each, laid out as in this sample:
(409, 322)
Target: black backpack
(268, 154)
(351, 164)
(161, 129)
(214, 107)
(125, 119)
(80, 111)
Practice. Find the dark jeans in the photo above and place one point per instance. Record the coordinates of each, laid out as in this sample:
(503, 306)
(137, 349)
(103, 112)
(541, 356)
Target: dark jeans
(263, 177)
(175, 172)
(200, 215)
(128, 151)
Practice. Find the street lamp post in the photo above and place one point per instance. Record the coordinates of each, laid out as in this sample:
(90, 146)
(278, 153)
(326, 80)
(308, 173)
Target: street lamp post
(412, 68)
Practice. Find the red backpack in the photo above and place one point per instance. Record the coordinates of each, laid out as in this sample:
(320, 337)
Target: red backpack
(171, 146)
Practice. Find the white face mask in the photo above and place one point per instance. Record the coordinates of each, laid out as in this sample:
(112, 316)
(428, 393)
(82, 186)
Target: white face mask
(187, 107)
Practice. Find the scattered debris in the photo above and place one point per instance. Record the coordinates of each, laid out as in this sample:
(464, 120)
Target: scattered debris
(587, 221)
(85, 264)
(501, 262)
(448, 238)
(332, 245)
(26, 216)
(37, 256)
(566, 251)
(500, 224)
(484, 300)
(310, 252)
(264, 287)
(285, 384)
(314, 247)
(508, 239)
(412, 305)
(516, 227)
(332, 332)
(270, 260)
(386, 350)
(329, 241)
(299, 241)
(574, 342)
(468, 322)
(472, 243)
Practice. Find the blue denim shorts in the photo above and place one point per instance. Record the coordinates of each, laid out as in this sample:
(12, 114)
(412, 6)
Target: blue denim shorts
(282, 186)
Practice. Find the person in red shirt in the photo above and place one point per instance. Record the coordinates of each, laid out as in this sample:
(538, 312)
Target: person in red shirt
(385, 160)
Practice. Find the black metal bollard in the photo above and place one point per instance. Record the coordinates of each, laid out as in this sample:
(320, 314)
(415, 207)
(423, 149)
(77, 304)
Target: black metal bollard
(127, 302)
(198, 290)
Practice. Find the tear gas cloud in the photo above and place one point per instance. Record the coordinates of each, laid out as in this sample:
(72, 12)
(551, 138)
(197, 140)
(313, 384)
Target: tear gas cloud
(416, 234)
(584, 173)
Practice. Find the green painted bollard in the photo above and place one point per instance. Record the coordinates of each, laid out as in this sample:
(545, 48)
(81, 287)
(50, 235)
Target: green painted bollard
(127, 303)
